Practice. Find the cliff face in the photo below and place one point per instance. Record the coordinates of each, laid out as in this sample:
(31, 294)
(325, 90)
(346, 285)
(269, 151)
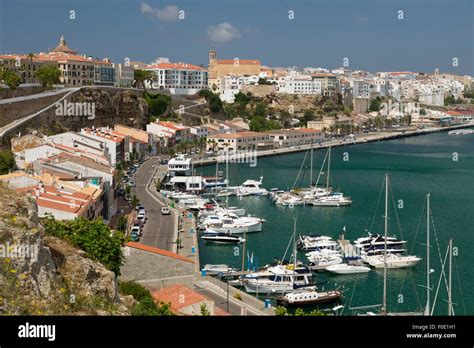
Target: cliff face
(110, 106)
(42, 275)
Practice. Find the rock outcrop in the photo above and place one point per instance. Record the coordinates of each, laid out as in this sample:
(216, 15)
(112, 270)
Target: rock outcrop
(40, 274)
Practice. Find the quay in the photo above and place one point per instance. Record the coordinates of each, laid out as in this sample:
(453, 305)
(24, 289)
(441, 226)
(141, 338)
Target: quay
(361, 139)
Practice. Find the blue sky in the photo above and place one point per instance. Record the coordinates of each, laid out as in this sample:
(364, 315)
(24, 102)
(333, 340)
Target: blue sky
(322, 33)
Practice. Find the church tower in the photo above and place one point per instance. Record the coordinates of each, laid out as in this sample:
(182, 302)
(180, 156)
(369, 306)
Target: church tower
(212, 57)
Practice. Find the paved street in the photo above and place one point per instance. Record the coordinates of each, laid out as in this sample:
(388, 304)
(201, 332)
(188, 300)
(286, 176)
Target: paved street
(159, 229)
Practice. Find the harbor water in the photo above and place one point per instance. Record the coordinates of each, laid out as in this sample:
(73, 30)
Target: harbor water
(438, 163)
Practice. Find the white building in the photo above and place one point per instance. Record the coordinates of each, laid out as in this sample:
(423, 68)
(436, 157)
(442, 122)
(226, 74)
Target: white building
(178, 78)
(299, 84)
(123, 75)
(199, 132)
(360, 89)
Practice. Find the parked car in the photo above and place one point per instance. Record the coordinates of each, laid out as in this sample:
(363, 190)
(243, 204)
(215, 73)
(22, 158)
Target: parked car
(134, 237)
(165, 211)
(136, 165)
(140, 206)
(136, 229)
(141, 218)
(131, 183)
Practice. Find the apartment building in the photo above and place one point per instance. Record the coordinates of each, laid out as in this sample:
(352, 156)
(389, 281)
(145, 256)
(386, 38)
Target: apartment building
(240, 141)
(169, 133)
(124, 75)
(24, 65)
(115, 143)
(141, 143)
(301, 84)
(65, 200)
(104, 72)
(295, 137)
(178, 78)
(73, 167)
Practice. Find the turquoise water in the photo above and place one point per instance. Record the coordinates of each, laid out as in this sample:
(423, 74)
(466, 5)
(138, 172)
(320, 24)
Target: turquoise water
(417, 165)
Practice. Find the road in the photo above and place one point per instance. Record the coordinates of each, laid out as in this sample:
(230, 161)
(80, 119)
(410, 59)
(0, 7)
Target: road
(159, 230)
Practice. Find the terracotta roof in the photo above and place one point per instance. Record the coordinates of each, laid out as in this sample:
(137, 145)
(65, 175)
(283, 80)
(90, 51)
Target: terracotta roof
(158, 251)
(178, 296)
(241, 61)
(175, 66)
(237, 135)
(105, 134)
(171, 125)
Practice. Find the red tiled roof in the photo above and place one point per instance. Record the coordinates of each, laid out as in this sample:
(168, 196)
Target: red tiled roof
(158, 251)
(178, 296)
(175, 66)
(241, 61)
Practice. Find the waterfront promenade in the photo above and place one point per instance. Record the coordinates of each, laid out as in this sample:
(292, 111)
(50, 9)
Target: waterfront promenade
(360, 138)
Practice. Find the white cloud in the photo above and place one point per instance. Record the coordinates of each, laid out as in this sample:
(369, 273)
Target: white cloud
(223, 32)
(167, 13)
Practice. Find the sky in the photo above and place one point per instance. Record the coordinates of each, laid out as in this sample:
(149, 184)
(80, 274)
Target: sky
(370, 35)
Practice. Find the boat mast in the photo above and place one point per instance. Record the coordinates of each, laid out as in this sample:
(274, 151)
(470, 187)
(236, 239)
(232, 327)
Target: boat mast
(427, 308)
(294, 251)
(217, 172)
(329, 166)
(311, 171)
(450, 301)
(227, 183)
(384, 303)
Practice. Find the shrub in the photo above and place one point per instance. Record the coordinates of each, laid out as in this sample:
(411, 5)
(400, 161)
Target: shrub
(94, 237)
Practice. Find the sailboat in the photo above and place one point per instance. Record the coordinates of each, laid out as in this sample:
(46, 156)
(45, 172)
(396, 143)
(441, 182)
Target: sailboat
(280, 278)
(383, 306)
(330, 199)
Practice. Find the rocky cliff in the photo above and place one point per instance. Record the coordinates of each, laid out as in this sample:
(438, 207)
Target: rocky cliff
(43, 275)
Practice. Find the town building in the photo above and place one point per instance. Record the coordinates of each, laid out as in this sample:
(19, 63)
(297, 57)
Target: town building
(141, 143)
(68, 166)
(64, 200)
(239, 141)
(295, 137)
(115, 143)
(24, 65)
(219, 68)
(169, 133)
(183, 300)
(104, 73)
(178, 78)
(124, 75)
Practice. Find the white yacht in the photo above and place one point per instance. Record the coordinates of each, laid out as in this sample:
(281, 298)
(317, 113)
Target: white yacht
(393, 261)
(334, 199)
(277, 279)
(216, 269)
(231, 223)
(251, 188)
(347, 268)
(319, 263)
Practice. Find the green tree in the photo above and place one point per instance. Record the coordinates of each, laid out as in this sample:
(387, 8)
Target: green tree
(134, 202)
(204, 310)
(94, 237)
(449, 100)
(375, 104)
(121, 224)
(140, 76)
(7, 162)
(241, 98)
(261, 109)
(10, 78)
(146, 305)
(281, 311)
(48, 75)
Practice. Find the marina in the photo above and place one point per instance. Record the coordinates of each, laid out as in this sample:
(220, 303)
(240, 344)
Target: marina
(348, 226)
